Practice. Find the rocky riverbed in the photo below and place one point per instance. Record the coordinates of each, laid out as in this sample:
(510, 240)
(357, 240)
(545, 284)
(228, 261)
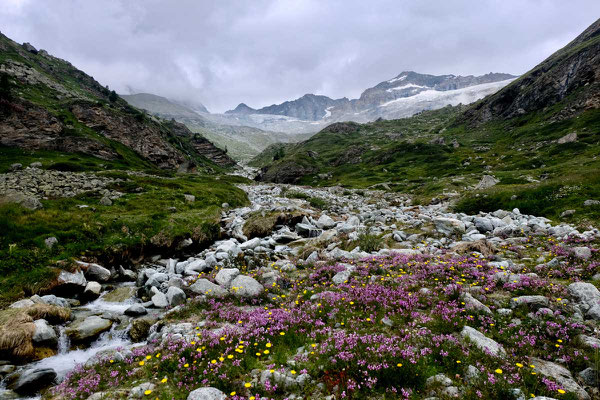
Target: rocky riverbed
(471, 285)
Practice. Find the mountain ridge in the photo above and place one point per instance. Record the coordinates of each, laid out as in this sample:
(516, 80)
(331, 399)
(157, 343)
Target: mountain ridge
(49, 104)
(313, 107)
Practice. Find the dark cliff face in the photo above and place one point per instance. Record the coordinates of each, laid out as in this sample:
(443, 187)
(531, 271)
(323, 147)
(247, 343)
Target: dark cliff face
(201, 145)
(572, 75)
(49, 104)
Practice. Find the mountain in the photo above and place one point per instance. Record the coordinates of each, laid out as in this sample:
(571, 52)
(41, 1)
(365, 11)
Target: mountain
(240, 141)
(309, 107)
(405, 95)
(571, 76)
(48, 104)
(411, 92)
(242, 109)
(537, 137)
(160, 106)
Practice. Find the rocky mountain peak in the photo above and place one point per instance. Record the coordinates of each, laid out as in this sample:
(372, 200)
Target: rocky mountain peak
(241, 108)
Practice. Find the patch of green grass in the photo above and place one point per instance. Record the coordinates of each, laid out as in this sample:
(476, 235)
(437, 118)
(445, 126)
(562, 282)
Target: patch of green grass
(134, 225)
(521, 152)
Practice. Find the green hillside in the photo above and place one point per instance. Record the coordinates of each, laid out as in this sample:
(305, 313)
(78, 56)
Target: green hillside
(444, 154)
(82, 166)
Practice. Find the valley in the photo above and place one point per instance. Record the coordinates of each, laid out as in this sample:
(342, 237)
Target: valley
(434, 238)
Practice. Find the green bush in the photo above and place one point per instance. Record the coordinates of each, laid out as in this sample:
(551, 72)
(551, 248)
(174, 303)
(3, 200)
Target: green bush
(318, 202)
(369, 242)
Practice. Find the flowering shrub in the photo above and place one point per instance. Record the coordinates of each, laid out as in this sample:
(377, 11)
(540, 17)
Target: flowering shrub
(395, 322)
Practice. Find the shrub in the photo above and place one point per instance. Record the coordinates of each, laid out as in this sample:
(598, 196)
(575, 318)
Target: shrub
(369, 242)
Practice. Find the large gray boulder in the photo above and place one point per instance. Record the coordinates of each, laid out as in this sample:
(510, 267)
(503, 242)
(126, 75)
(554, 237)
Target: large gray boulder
(582, 252)
(561, 375)
(535, 301)
(95, 272)
(86, 330)
(136, 310)
(175, 296)
(245, 286)
(325, 222)
(206, 393)
(31, 381)
(226, 275)
(483, 342)
(344, 275)
(483, 225)
(54, 300)
(449, 226)
(230, 247)
(194, 267)
(92, 290)
(487, 181)
(207, 288)
(472, 303)
(71, 283)
(159, 300)
(44, 333)
(588, 295)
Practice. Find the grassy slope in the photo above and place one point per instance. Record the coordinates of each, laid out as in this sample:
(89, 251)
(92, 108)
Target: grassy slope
(134, 225)
(401, 153)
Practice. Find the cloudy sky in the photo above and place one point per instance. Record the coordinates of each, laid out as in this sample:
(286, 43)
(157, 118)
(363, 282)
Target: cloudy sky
(262, 52)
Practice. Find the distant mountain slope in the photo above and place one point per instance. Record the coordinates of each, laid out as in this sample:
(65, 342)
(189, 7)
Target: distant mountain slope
(159, 106)
(539, 138)
(309, 107)
(46, 103)
(571, 74)
(241, 142)
(405, 95)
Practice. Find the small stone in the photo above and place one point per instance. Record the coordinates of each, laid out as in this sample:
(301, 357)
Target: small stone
(50, 242)
(486, 181)
(567, 213)
(590, 377)
(206, 393)
(138, 392)
(92, 290)
(105, 201)
(190, 198)
(568, 138)
(136, 310)
(439, 379)
(582, 252)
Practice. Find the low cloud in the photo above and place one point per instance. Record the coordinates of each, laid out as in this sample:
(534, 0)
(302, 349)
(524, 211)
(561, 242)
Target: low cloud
(264, 52)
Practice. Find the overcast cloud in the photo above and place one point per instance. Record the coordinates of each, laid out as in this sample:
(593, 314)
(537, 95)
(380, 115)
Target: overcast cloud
(262, 52)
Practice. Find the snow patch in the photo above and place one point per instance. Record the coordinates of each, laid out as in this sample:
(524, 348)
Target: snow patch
(327, 112)
(465, 95)
(408, 85)
(400, 78)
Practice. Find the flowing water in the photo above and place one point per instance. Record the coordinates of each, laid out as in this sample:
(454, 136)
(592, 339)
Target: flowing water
(66, 358)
